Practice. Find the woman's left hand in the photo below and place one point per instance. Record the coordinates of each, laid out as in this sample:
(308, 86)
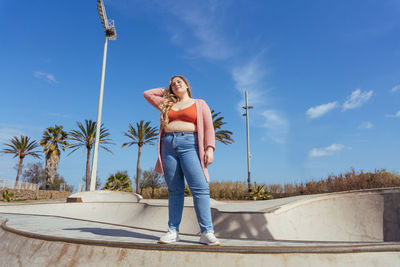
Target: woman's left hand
(209, 156)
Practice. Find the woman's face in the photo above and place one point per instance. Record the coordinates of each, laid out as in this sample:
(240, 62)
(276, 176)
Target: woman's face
(178, 86)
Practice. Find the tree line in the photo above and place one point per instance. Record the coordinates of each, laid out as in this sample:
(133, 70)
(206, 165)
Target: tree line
(55, 140)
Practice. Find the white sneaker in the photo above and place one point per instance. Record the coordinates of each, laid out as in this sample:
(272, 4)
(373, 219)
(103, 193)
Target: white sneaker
(209, 239)
(170, 237)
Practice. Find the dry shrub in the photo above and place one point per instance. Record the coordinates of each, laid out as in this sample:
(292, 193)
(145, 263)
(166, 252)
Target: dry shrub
(275, 189)
(159, 193)
(351, 180)
(228, 190)
(290, 190)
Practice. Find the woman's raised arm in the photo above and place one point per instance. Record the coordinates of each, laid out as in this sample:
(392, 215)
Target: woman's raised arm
(155, 97)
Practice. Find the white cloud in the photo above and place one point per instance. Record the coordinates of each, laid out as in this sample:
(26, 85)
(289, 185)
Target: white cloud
(327, 151)
(318, 111)
(7, 133)
(366, 125)
(210, 44)
(250, 77)
(48, 77)
(357, 99)
(197, 29)
(397, 115)
(396, 88)
(277, 126)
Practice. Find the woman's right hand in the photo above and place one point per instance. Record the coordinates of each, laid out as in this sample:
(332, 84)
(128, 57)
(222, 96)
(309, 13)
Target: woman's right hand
(209, 156)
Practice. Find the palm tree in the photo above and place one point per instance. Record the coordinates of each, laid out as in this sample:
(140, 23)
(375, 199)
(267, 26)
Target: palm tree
(142, 135)
(52, 138)
(21, 148)
(85, 137)
(118, 182)
(224, 136)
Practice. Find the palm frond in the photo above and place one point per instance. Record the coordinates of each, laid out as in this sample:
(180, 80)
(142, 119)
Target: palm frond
(143, 134)
(21, 147)
(85, 136)
(223, 136)
(53, 137)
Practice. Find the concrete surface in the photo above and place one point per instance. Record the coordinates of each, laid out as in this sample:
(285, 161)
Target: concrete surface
(106, 196)
(359, 228)
(17, 250)
(363, 216)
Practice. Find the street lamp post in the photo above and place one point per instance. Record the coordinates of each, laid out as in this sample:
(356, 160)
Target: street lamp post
(247, 107)
(111, 34)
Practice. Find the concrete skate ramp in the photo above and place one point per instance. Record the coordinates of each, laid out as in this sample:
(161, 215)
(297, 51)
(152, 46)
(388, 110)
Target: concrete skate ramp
(361, 216)
(20, 250)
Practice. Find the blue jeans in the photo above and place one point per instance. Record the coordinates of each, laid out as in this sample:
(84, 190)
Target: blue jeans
(180, 158)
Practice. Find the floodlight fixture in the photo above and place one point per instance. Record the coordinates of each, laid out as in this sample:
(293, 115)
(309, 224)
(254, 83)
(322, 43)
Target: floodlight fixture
(108, 26)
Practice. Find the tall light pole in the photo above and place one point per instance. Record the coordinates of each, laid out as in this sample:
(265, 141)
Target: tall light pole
(111, 34)
(247, 107)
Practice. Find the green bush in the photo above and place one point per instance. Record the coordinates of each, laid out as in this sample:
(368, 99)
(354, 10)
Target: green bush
(7, 196)
(118, 182)
(258, 192)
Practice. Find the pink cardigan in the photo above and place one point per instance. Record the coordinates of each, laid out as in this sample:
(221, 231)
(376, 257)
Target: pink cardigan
(205, 128)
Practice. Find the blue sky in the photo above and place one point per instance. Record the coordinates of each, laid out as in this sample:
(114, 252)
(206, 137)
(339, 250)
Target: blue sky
(323, 77)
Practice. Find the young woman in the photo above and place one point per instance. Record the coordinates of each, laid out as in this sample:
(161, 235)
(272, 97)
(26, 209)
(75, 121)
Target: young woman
(185, 148)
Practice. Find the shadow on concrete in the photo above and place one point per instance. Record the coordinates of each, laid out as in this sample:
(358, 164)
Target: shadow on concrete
(249, 225)
(113, 232)
(391, 217)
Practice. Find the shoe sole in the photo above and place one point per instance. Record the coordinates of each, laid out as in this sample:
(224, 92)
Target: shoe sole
(210, 244)
(168, 242)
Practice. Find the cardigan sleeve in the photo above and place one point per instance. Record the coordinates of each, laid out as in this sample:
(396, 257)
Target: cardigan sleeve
(155, 97)
(209, 133)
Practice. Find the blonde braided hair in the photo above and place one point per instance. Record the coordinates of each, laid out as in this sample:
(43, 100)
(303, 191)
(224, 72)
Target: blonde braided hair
(170, 99)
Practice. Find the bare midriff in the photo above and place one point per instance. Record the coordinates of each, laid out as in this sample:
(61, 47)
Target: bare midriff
(180, 126)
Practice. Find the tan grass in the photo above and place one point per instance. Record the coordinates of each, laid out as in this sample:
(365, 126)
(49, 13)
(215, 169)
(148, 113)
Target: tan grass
(351, 180)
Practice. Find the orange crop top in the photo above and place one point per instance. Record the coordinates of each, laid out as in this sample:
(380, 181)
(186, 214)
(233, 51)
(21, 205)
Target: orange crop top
(188, 114)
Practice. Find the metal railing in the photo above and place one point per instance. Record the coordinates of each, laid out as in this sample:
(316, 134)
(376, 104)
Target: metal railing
(9, 184)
